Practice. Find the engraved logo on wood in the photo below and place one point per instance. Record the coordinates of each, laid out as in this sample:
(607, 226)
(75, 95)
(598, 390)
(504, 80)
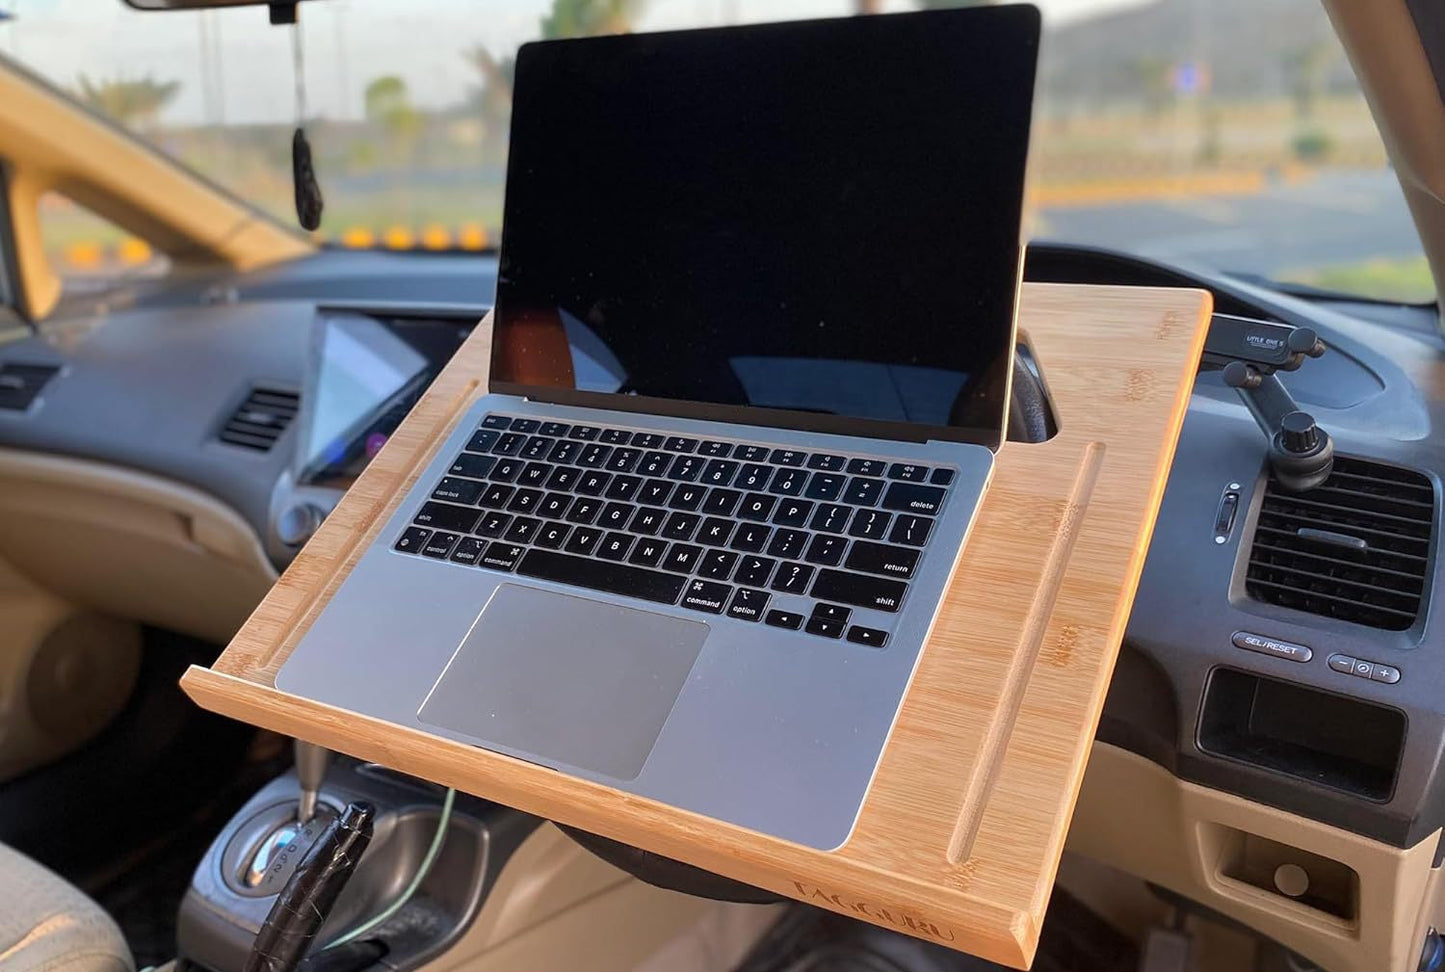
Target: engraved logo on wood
(921, 927)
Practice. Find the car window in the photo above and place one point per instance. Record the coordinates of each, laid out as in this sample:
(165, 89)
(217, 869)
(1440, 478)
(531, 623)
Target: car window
(90, 253)
(1229, 133)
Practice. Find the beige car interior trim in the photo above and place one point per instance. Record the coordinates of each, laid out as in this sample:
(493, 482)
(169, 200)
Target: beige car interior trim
(1389, 59)
(557, 908)
(49, 142)
(1368, 905)
(129, 544)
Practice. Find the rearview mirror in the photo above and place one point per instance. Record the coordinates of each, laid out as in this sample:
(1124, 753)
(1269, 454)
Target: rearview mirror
(284, 6)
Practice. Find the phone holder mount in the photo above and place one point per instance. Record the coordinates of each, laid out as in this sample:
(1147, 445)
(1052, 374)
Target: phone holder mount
(1250, 354)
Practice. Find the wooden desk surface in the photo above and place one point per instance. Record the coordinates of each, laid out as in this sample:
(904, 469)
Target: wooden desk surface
(960, 834)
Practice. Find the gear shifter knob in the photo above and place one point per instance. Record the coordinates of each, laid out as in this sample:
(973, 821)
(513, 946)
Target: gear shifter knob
(311, 764)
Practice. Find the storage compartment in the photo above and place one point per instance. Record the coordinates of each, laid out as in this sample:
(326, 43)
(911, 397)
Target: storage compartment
(1321, 737)
(1310, 880)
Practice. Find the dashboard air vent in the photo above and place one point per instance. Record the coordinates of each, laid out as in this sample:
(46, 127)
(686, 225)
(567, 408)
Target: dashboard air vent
(261, 419)
(1355, 548)
(20, 384)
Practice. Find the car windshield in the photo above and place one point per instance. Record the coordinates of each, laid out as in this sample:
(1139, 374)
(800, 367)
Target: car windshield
(1229, 134)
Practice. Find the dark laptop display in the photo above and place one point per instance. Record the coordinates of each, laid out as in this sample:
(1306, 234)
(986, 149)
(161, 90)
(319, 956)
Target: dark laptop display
(821, 219)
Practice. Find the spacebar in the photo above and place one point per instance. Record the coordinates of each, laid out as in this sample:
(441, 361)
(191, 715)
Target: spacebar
(650, 585)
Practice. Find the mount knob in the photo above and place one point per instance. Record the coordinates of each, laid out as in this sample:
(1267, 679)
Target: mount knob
(1298, 434)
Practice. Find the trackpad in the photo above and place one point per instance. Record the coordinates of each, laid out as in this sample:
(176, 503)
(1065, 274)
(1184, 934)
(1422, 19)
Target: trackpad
(566, 679)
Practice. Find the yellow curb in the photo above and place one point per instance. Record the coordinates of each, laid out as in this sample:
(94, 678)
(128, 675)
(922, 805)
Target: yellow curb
(436, 237)
(1106, 191)
(472, 237)
(85, 255)
(398, 238)
(133, 251)
(358, 238)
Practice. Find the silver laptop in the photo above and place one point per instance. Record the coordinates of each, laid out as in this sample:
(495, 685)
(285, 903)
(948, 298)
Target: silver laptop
(751, 356)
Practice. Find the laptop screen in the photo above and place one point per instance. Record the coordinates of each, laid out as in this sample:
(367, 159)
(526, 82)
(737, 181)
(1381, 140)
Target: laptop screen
(812, 224)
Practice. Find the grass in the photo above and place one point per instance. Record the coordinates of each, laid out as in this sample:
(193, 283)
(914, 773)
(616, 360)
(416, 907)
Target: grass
(1400, 280)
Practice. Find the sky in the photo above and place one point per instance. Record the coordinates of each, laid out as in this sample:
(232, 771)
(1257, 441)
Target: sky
(248, 76)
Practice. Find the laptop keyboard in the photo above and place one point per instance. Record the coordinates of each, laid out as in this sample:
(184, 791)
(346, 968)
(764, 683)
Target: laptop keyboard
(717, 526)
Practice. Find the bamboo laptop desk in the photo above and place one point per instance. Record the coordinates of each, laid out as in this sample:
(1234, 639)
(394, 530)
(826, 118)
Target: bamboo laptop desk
(959, 837)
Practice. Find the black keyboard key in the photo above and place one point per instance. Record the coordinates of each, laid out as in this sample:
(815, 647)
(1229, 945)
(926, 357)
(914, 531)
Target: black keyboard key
(654, 464)
(584, 433)
(861, 590)
(793, 512)
(757, 506)
(751, 537)
(493, 524)
(594, 456)
(680, 526)
(583, 539)
(908, 471)
(788, 543)
(534, 474)
(754, 571)
(592, 482)
(614, 546)
(509, 444)
(719, 472)
(824, 627)
(881, 558)
(444, 516)
(871, 637)
(913, 499)
(788, 457)
(468, 551)
(703, 595)
(832, 612)
(565, 451)
(648, 440)
(715, 531)
(584, 510)
(867, 467)
(714, 448)
(753, 476)
(826, 549)
(717, 564)
(496, 495)
(554, 429)
(825, 486)
(507, 470)
(685, 468)
(789, 482)
(826, 462)
(751, 453)
(792, 578)
(525, 501)
(830, 518)
(647, 552)
(615, 515)
(600, 575)
(554, 505)
(471, 465)
(784, 619)
(748, 604)
(622, 487)
(863, 491)
(412, 539)
(721, 502)
(616, 437)
(910, 529)
(552, 535)
(648, 521)
(869, 524)
(522, 530)
(537, 447)
(941, 477)
(497, 422)
(682, 557)
(462, 491)
(687, 496)
(622, 460)
(563, 477)
(525, 425)
(502, 556)
(678, 443)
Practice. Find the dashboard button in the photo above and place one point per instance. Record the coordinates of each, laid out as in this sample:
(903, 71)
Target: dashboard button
(1363, 669)
(1343, 664)
(1287, 650)
(1385, 673)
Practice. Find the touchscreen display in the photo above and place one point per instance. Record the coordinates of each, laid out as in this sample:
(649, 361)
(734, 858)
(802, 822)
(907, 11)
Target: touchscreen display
(366, 374)
(821, 217)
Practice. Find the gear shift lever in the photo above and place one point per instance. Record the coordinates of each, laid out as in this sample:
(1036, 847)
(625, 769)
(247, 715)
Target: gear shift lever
(311, 764)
